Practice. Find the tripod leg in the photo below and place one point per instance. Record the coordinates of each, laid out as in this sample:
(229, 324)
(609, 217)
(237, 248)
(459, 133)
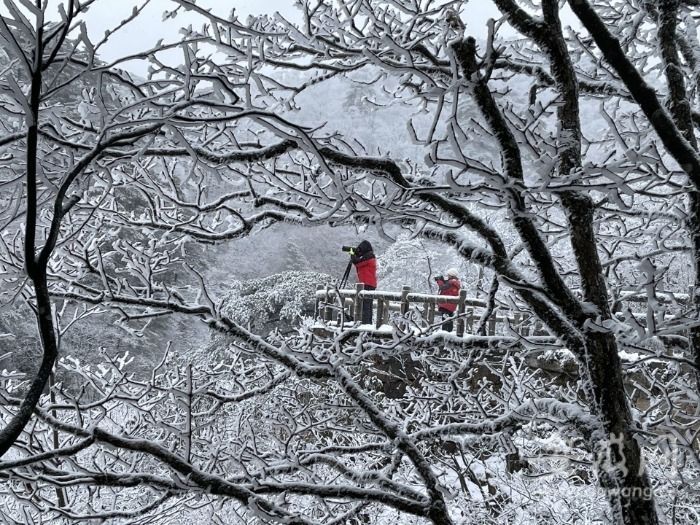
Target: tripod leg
(341, 285)
(344, 280)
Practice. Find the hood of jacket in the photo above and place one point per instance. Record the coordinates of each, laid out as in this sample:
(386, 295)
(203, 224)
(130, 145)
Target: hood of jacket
(364, 248)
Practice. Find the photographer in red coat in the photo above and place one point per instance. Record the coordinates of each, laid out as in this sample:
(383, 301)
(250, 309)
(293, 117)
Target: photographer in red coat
(449, 286)
(366, 267)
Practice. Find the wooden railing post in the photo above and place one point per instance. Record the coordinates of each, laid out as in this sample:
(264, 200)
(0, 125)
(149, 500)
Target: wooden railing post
(358, 302)
(405, 290)
(470, 321)
(340, 315)
(380, 312)
(538, 328)
(318, 305)
(328, 310)
(517, 324)
(460, 312)
(431, 312)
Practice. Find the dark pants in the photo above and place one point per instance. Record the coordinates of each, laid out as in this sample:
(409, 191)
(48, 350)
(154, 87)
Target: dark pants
(449, 324)
(367, 307)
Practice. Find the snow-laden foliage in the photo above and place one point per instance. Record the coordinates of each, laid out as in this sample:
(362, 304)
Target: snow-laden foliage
(416, 263)
(246, 423)
(277, 301)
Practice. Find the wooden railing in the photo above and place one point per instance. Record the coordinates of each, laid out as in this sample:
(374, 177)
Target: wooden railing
(332, 306)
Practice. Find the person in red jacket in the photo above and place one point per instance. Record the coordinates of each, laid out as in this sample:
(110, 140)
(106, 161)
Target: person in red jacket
(366, 267)
(449, 286)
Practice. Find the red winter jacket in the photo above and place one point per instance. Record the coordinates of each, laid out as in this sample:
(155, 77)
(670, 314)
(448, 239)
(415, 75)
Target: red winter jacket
(367, 272)
(449, 287)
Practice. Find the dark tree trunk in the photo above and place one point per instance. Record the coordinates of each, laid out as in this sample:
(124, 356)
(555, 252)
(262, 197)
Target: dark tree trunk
(623, 476)
(676, 130)
(694, 230)
(35, 267)
(14, 428)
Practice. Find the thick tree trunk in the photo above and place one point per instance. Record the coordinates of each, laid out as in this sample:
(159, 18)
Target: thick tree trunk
(623, 475)
(694, 230)
(621, 470)
(679, 104)
(676, 133)
(35, 268)
(14, 428)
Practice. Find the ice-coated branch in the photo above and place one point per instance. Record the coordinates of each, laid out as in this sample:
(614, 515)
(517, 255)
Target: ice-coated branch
(674, 141)
(551, 410)
(465, 52)
(437, 508)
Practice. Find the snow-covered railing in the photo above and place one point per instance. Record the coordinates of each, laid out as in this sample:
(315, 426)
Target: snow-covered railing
(661, 296)
(332, 305)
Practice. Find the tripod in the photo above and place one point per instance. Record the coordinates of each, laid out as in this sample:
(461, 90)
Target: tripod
(344, 280)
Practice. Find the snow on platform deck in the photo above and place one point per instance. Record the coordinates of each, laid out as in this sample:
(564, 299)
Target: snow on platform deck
(425, 336)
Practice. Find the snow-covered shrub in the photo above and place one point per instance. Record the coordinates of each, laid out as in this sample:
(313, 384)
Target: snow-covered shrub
(279, 300)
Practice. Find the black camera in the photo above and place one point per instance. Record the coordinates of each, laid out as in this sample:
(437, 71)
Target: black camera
(348, 248)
